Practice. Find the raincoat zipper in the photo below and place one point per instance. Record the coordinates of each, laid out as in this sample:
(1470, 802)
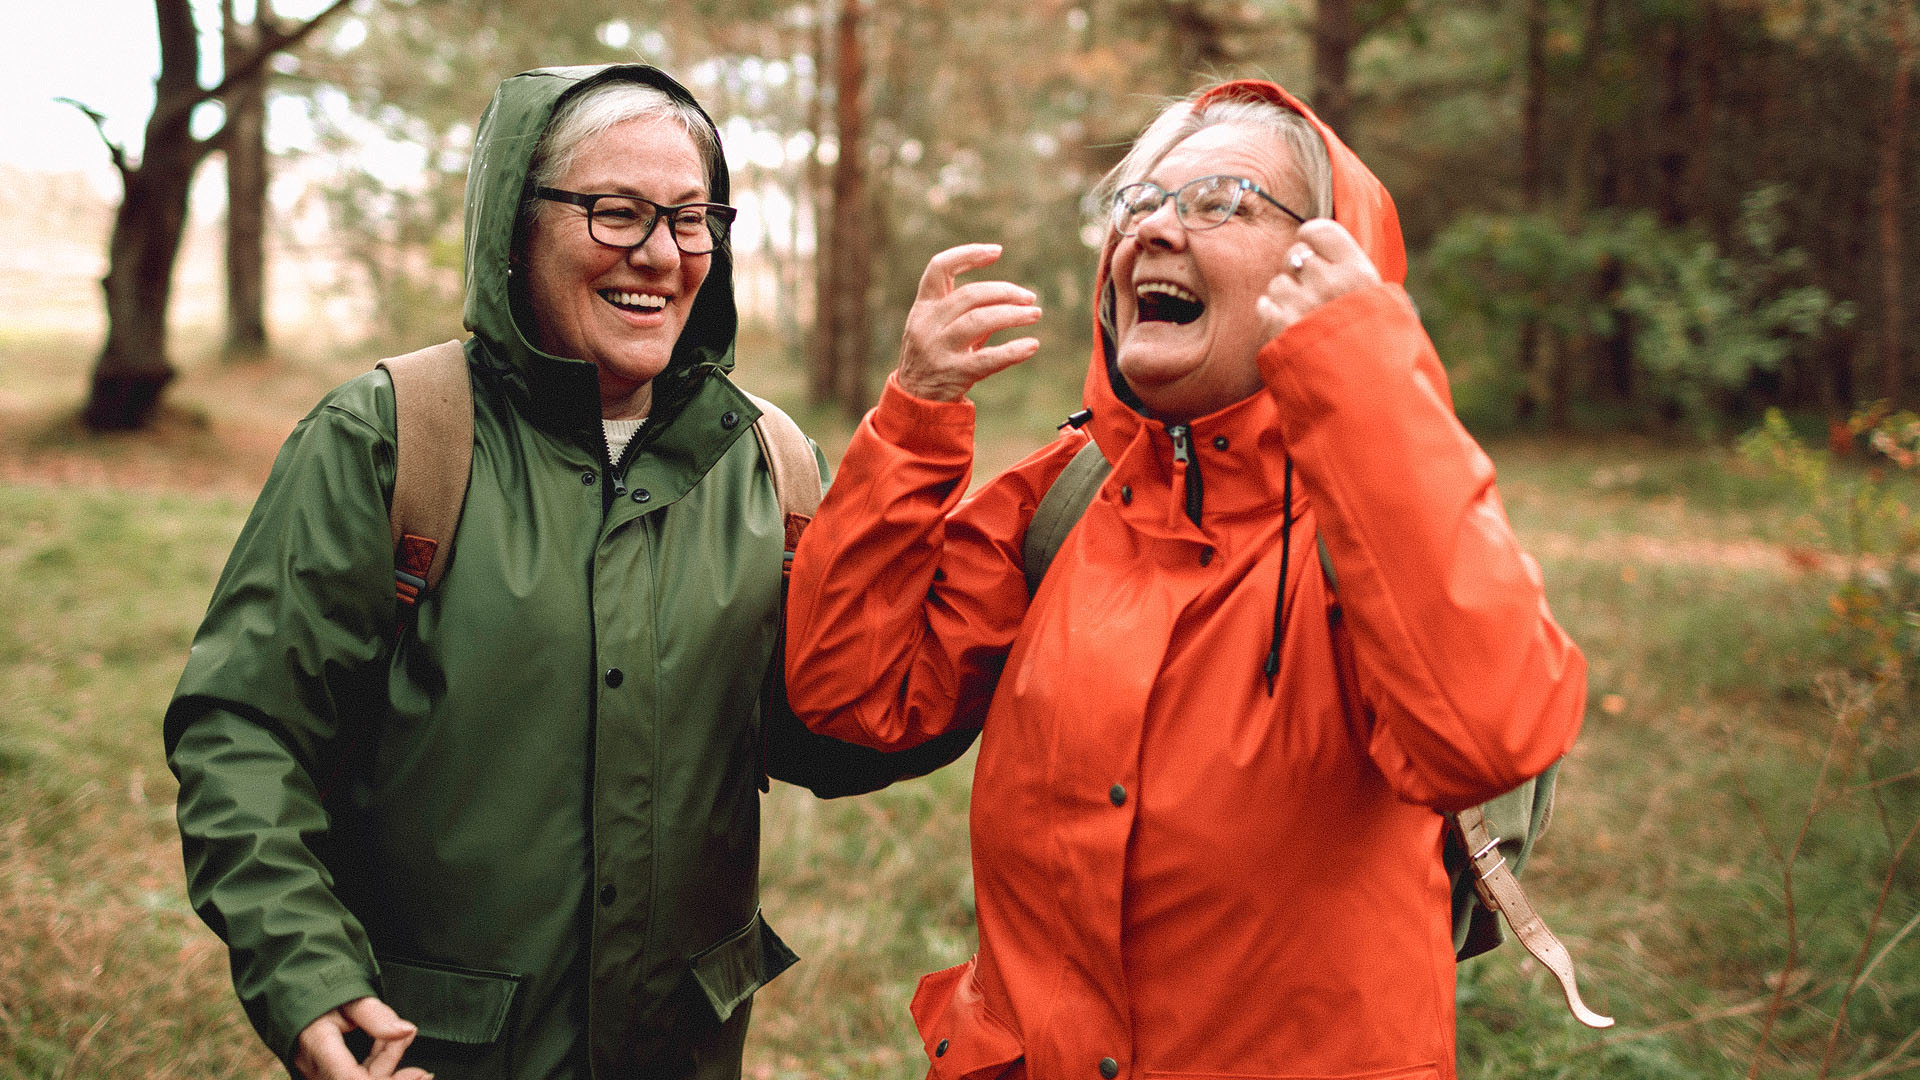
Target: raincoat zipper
(1182, 437)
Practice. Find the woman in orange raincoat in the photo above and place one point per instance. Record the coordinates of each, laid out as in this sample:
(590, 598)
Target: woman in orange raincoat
(1190, 859)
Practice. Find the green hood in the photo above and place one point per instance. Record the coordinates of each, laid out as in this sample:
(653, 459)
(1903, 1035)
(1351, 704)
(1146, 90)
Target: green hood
(559, 393)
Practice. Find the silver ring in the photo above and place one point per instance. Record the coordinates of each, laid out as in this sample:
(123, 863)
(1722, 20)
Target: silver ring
(1299, 260)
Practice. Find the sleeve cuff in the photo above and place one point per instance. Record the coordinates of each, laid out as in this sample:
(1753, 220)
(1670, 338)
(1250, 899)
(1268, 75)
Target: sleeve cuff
(290, 1013)
(1368, 310)
(921, 424)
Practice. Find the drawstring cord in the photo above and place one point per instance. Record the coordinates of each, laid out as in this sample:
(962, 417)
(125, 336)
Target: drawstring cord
(1272, 666)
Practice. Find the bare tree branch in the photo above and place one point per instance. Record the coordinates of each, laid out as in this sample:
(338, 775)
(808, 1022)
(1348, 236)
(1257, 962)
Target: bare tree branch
(114, 149)
(272, 41)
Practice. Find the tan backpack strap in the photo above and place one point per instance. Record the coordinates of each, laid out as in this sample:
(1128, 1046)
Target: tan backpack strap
(796, 472)
(433, 436)
(1500, 891)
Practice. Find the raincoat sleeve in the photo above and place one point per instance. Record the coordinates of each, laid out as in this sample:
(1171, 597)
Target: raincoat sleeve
(906, 597)
(281, 669)
(1471, 686)
(831, 767)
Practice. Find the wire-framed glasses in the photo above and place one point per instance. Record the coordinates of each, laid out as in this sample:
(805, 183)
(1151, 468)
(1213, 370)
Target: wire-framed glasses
(626, 221)
(1205, 202)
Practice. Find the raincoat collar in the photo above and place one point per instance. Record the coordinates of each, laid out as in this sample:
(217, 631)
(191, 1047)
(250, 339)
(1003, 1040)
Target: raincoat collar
(1241, 450)
(563, 394)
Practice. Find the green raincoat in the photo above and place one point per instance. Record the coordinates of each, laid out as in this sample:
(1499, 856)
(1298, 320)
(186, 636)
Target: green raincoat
(529, 819)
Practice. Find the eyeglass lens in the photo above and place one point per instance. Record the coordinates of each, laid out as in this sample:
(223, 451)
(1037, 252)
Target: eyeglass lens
(1200, 204)
(619, 221)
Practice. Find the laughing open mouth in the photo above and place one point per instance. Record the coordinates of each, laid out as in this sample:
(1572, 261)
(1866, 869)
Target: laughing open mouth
(633, 301)
(1161, 301)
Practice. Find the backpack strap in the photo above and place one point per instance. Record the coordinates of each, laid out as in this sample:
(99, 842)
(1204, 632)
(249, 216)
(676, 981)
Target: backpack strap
(796, 486)
(1488, 876)
(433, 436)
(796, 472)
(1522, 811)
(1501, 892)
(1060, 509)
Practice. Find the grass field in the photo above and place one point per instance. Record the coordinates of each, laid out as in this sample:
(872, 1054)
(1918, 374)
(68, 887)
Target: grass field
(1725, 733)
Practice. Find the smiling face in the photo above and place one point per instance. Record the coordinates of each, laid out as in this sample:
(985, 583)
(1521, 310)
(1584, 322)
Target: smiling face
(621, 310)
(1185, 326)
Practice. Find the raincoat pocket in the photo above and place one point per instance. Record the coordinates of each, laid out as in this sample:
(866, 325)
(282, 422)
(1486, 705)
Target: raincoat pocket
(744, 961)
(456, 1005)
(964, 1040)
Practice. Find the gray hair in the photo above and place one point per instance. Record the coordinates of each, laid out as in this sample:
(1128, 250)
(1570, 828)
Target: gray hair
(608, 105)
(1306, 150)
(1179, 121)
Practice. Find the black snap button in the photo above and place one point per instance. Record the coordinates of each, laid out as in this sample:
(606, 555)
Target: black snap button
(1126, 494)
(1109, 1068)
(608, 894)
(730, 420)
(615, 676)
(641, 495)
(1206, 555)
(1118, 793)
(940, 1048)
(586, 478)
(1219, 442)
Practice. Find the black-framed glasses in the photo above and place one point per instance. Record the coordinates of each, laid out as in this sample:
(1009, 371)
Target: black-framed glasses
(1205, 202)
(626, 221)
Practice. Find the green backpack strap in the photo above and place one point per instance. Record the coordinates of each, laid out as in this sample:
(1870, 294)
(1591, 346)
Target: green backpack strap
(1060, 509)
(433, 438)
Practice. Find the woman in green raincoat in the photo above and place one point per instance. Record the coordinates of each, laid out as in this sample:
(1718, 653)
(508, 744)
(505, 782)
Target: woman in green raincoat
(518, 837)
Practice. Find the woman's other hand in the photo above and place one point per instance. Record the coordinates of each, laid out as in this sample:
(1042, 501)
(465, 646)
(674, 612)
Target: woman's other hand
(943, 351)
(322, 1054)
(1324, 263)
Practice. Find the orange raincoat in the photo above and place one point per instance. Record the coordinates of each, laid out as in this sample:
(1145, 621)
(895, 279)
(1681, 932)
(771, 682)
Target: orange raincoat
(1179, 871)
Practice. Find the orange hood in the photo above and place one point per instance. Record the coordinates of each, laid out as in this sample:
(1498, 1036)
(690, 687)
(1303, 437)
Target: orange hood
(1360, 202)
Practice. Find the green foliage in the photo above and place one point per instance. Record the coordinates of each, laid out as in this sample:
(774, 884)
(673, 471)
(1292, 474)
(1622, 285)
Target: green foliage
(1867, 515)
(1704, 322)
(1700, 322)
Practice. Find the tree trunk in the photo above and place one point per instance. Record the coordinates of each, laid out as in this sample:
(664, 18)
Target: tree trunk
(823, 373)
(851, 264)
(1673, 156)
(1892, 311)
(245, 146)
(1334, 38)
(1532, 121)
(133, 367)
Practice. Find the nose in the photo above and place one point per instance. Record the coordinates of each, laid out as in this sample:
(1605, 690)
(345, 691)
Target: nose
(1162, 228)
(658, 249)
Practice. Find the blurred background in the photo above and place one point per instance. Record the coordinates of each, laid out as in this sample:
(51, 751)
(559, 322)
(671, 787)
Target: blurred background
(1666, 248)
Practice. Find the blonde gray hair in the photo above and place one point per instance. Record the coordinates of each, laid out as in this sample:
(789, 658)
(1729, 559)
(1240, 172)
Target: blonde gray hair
(609, 105)
(1180, 120)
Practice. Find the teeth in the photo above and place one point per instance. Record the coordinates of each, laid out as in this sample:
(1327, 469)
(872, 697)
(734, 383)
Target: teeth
(634, 299)
(1167, 288)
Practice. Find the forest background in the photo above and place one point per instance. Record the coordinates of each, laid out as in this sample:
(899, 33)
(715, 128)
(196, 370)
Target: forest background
(1662, 245)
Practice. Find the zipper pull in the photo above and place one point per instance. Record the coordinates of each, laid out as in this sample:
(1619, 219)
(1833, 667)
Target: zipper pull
(1182, 438)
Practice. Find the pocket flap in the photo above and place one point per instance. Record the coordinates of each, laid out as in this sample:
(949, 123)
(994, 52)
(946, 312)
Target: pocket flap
(744, 961)
(964, 1040)
(457, 1005)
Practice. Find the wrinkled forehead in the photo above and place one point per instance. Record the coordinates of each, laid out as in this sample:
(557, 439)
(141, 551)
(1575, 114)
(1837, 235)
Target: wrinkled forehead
(1257, 153)
(654, 156)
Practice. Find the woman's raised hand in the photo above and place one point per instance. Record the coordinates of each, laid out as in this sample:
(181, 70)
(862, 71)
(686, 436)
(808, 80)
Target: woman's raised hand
(943, 351)
(1324, 262)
